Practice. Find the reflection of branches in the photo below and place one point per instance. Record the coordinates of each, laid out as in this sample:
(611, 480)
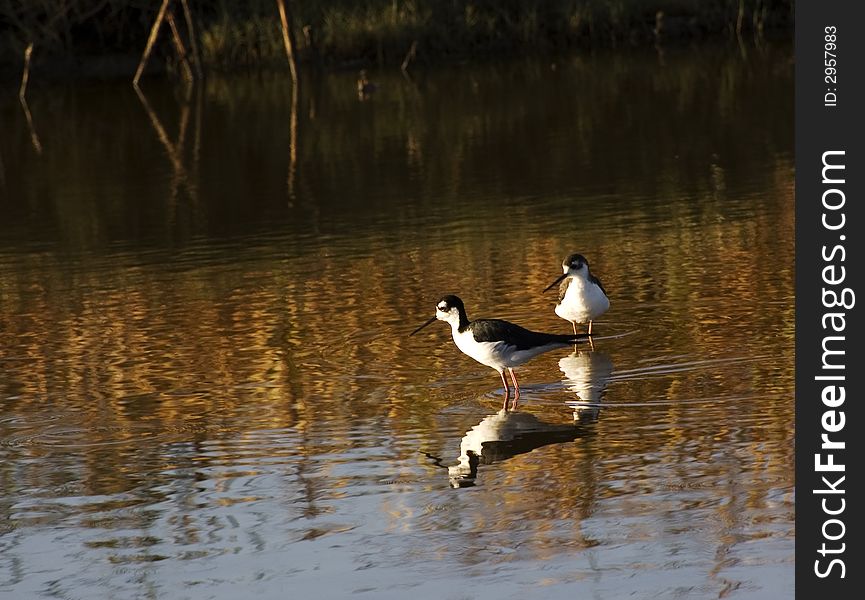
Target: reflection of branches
(34, 138)
(174, 150)
(196, 148)
(292, 142)
(22, 97)
(409, 57)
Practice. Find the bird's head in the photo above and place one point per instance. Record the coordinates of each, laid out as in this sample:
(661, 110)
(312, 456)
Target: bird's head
(575, 264)
(448, 309)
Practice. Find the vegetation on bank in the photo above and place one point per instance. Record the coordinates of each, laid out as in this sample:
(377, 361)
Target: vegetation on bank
(232, 33)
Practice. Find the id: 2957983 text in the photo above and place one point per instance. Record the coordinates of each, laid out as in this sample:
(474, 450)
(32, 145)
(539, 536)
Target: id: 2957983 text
(830, 61)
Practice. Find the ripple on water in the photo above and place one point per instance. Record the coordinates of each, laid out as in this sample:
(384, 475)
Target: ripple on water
(212, 393)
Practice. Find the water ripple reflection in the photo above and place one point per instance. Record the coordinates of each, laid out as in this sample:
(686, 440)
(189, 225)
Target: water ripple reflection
(208, 390)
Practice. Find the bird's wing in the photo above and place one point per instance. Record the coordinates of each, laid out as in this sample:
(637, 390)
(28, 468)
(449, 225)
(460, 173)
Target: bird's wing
(496, 330)
(563, 287)
(597, 282)
(493, 330)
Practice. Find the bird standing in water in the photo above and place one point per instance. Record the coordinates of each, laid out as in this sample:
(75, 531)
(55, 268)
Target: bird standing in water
(582, 298)
(496, 343)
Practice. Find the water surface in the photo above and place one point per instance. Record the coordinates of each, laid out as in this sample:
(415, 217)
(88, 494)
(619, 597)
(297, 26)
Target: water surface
(208, 389)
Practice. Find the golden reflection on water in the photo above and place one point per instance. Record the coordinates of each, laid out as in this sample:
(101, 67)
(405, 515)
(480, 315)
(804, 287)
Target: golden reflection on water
(222, 374)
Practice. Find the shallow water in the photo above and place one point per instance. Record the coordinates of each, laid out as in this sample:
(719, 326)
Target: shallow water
(208, 389)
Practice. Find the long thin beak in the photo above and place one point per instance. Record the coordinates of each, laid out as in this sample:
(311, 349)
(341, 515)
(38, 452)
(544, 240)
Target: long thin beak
(422, 326)
(562, 276)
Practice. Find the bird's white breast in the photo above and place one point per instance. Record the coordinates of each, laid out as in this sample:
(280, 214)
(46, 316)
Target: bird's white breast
(486, 353)
(584, 301)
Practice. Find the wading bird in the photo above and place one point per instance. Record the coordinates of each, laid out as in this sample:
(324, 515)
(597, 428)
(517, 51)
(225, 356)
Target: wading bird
(582, 298)
(496, 343)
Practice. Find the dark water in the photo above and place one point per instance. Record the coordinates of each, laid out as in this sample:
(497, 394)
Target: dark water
(207, 388)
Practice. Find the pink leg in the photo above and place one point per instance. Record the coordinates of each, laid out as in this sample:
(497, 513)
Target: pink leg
(574, 323)
(516, 387)
(507, 390)
(590, 328)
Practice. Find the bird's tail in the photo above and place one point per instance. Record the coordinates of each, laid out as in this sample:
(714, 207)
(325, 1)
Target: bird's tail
(570, 338)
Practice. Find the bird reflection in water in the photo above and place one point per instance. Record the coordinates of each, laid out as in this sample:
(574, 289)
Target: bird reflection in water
(587, 374)
(507, 433)
(502, 435)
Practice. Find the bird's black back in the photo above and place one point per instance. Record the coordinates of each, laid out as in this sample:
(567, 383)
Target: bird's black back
(496, 330)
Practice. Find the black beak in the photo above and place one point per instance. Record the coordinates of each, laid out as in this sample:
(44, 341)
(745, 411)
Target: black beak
(422, 326)
(562, 276)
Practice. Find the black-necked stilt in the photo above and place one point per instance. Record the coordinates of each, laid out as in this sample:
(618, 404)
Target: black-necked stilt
(496, 343)
(582, 298)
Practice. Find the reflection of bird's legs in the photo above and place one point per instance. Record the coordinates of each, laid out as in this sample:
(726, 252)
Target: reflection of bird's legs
(507, 389)
(516, 387)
